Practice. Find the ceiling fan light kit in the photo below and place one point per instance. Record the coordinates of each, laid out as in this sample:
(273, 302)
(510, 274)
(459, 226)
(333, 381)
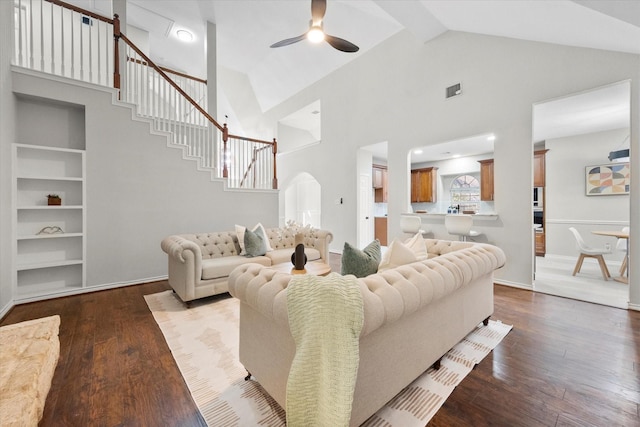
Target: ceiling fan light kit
(316, 33)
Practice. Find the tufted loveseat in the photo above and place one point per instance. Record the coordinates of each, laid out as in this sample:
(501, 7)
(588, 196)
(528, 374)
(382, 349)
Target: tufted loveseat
(199, 264)
(413, 315)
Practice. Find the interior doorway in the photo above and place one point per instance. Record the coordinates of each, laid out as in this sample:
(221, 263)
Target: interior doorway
(301, 201)
(373, 178)
(576, 134)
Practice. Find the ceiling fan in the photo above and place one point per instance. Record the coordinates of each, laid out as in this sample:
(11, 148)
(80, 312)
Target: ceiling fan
(316, 34)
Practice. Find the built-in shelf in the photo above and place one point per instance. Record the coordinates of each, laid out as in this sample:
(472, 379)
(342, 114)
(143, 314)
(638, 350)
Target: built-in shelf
(48, 264)
(49, 236)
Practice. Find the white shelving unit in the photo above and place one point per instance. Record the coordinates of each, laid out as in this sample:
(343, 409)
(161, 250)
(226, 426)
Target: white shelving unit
(47, 264)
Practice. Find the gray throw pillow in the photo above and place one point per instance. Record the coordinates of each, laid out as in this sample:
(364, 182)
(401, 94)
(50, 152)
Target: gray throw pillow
(254, 243)
(361, 263)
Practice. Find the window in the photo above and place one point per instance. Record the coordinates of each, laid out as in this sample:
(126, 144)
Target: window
(465, 191)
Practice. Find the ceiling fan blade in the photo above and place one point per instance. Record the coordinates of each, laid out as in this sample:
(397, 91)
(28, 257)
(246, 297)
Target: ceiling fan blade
(292, 40)
(318, 9)
(341, 44)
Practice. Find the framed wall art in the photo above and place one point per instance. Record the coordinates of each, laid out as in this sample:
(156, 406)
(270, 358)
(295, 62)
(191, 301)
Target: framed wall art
(609, 179)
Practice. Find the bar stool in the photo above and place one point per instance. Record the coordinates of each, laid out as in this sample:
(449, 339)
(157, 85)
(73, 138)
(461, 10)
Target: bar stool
(460, 225)
(411, 224)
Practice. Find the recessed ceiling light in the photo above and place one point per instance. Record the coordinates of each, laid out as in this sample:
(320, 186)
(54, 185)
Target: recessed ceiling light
(455, 156)
(491, 138)
(184, 35)
(417, 151)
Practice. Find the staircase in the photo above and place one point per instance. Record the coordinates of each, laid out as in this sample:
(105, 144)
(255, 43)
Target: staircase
(49, 39)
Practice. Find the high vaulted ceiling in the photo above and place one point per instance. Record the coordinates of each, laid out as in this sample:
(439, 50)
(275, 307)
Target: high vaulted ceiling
(246, 28)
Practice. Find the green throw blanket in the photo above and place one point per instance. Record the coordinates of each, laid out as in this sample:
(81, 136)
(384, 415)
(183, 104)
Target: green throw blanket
(325, 318)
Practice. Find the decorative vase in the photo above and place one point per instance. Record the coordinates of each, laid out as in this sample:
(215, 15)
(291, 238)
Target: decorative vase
(299, 258)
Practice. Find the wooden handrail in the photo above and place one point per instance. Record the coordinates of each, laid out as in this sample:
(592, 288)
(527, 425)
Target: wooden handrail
(117, 35)
(170, 81)
(81, 10)
(254, 157)
(259, 141)
(169, 70)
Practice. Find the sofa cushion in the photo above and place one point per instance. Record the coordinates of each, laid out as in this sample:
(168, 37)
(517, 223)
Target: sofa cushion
(361, 263)
(240, 234)
(215, 268)
(254, 243)
(278, 256)
(398, 254)
(418, 246)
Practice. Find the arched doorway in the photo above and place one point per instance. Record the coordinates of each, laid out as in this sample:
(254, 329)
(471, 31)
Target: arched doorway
(300, 201)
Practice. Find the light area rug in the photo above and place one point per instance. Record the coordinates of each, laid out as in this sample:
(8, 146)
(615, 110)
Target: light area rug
(204, 342)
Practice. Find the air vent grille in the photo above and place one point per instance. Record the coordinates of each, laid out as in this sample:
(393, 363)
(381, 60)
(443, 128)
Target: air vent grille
(454, 90)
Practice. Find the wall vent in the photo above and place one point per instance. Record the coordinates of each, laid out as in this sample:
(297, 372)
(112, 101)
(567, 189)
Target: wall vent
(454, 90)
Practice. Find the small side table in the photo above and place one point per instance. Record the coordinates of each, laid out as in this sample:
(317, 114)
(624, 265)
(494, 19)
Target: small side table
(317, 268)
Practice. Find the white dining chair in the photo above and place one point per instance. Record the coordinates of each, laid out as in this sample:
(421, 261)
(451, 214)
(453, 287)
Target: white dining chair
(412, 224)
(460, 225)
(621, 246)
(587, 251)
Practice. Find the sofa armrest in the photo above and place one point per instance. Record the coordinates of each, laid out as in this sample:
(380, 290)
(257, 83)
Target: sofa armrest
(185, 265)
(320, 241)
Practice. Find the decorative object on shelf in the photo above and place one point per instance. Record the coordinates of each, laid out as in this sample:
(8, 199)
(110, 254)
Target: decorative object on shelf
(51, 229)
(610, 179)
(299, 258)
(53, 200)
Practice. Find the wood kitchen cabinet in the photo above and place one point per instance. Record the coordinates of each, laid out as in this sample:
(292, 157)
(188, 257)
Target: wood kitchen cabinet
(486, 180)
(423, 185)
(380, 229)
(379, 176)
(538, 168)
(540, 244)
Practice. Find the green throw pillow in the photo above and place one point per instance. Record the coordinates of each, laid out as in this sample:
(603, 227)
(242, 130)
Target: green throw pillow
(254, 243)
(361, 263)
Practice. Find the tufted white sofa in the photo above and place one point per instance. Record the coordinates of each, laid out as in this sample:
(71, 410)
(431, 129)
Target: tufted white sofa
(413, 314)
(200, 264)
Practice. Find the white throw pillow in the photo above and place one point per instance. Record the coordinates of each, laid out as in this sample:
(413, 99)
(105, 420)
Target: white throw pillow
(418, 246)
(240, 234)
(397, 254)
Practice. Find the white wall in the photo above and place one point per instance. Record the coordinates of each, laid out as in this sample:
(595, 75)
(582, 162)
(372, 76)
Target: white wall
(396, 93)
(566, 203)
(7, 133)
(138, 189)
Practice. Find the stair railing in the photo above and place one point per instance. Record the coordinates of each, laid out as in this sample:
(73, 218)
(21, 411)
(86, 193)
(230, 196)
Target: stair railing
(66, 40)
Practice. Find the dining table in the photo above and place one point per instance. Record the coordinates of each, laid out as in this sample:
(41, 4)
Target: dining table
(620, 235)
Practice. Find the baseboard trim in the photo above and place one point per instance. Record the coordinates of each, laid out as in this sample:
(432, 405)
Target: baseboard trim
(513, 284)
(635, 307)
(89, 289)
(6, 309)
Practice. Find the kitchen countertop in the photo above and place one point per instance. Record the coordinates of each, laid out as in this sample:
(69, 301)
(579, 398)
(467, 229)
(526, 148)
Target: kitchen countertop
(482, 216)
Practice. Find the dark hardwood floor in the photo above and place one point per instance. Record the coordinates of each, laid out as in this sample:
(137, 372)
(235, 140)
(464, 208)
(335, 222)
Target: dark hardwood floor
(565, 363)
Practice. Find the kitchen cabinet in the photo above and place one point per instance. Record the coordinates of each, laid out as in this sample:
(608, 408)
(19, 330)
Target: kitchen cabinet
(380, 229)
(538, 168)
(423, 185)
(539, 181)
(540, 243)
(486, 180)
(380, 183)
